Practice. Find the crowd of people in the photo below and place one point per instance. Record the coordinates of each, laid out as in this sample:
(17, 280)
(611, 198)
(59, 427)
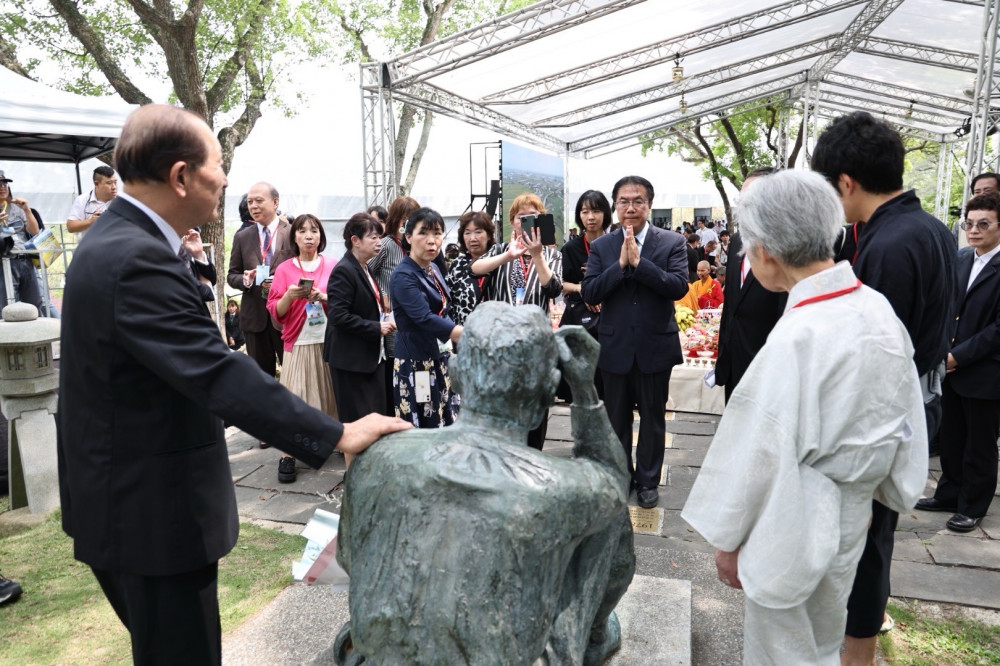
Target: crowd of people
(846, 353)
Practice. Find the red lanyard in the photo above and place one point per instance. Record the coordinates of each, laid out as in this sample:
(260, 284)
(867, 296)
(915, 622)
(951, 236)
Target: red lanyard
(828, 296)
(444, 299)
(319, 268)
(854, 228)
(378, 292)
(525, 267)
(586, 246)
(481, 280)
(397, 241)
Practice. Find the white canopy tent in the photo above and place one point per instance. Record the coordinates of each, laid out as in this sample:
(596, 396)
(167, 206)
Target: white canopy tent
(42, 124)
(588, 77)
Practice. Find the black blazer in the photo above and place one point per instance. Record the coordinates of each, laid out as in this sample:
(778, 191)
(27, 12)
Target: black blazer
(421, 317)
(637, 304)
(145, 378)
(976, 341)
(354, 334)
(748, 315)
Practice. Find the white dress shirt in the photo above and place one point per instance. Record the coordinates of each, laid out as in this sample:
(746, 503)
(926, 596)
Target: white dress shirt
(979, 263)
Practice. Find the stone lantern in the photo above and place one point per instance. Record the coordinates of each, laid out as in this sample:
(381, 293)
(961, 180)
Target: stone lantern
(28, 383)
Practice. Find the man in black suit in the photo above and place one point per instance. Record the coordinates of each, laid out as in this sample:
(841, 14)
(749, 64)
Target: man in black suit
(636, 274)
(909, 257)
(970, 404)
(749, 313)
(144, 478)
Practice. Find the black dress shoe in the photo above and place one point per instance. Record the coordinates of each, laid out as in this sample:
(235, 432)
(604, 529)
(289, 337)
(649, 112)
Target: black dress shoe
(962, 523)
(647, 497)
(934, 504)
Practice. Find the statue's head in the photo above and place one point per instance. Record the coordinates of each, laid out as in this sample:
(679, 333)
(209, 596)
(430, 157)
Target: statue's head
(506, 363)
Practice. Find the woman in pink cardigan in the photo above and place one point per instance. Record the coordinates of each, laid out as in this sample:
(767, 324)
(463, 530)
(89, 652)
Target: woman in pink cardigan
(297, 301)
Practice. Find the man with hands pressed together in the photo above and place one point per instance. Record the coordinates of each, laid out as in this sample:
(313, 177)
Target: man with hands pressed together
(636, 274)
(145, 484)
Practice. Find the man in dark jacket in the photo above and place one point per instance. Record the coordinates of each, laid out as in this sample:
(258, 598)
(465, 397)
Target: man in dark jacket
(970, 419)
(908, 256)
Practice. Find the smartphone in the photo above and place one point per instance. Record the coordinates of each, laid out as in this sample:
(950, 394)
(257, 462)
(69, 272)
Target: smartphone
(546, 226)
(527, 224)
(306, 282)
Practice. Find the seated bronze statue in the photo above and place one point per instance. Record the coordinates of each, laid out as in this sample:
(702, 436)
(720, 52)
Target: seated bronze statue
(464, 546)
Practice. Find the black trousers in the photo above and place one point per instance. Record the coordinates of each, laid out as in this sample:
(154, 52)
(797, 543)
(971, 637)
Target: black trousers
(647, 393)
(969, 431)
(172, 619)
(536, 436)
(359, 394)
(264, 346)
(870, 592)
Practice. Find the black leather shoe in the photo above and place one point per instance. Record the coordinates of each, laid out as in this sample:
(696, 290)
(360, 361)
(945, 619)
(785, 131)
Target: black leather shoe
(648, 497)
(934, 504)
(962, 523)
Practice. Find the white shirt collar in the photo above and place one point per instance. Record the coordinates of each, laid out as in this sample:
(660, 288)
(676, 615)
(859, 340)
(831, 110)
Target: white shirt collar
(985, 259)
(269, 225)
(640, 237)
(168, 231)
(839, 276)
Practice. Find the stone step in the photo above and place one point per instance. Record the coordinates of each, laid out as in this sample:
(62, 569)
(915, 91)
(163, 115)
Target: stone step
(655, 616)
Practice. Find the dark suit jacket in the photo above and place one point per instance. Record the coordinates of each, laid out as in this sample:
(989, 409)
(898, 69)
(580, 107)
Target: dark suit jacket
(246, 256)
(637, 304)
(976, 341)
(416, 304)
(145, 377)
(748, 315)
(353, 334)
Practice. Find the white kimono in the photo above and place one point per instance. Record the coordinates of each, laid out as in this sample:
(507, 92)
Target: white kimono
(828, 416)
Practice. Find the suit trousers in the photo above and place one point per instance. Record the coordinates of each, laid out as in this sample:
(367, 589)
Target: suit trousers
(646, 392)
(264, 346)
(969, 431)
(536, 436)
(870, 592)
(172, 619)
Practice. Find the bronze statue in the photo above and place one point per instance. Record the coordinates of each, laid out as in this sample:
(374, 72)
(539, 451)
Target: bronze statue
(465, 546)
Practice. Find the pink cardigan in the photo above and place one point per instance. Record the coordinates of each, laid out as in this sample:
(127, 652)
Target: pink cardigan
(288, 274)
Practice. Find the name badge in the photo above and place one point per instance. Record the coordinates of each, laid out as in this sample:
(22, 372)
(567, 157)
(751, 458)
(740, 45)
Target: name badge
(263, 272)
(519, 295)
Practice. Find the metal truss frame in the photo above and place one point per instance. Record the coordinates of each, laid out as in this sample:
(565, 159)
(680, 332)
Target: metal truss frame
(984, 116)
(378, 126)
(822, 91)
(945, 167)
(713, 36)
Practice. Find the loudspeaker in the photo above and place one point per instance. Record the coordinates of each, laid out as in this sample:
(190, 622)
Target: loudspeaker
(493, 199)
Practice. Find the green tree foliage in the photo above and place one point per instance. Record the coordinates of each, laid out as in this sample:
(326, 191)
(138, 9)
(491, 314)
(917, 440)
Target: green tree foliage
(384, 29)
(220, 59)
(728, 146)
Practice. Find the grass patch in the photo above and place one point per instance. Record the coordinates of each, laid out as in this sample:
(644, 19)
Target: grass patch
(63, 617)
(920, 641)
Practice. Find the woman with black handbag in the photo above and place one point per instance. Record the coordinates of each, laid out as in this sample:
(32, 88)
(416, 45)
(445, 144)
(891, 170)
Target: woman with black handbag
(593, 217)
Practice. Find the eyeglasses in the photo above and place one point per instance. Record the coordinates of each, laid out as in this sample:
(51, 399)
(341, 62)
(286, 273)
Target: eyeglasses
(980, 226)
(625, 204)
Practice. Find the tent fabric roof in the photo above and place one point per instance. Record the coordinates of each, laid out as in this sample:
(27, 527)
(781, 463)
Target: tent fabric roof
(42, 124)
(589, 76)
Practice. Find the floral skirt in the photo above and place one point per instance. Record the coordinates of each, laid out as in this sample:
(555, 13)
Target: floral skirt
(442, 408)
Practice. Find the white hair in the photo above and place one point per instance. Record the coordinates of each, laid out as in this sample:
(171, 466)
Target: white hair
(794, 215)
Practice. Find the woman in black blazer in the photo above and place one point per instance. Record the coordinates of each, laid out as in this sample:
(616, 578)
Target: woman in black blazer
(354, 345)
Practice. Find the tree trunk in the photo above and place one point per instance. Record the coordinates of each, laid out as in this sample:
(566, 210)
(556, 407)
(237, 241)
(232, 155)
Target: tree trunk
(418, 155)
(792, 156)
(716, 177)
(406, 119)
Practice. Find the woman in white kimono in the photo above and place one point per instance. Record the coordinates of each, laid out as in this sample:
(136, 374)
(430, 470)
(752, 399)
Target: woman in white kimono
(828, 416)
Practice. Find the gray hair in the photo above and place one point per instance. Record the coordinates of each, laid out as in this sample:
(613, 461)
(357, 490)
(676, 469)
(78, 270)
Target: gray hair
(794, 215)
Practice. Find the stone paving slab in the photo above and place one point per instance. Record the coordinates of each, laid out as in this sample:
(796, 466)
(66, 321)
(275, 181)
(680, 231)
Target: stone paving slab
(242, 469)
(991, 526)
(308, 481)
(691, 427)
(682, 476)
(698, 443)
(294, 507)
(675, 456)
(957, 585)
(252, 500)
(983, 553)
(655, 616)
(910, 548)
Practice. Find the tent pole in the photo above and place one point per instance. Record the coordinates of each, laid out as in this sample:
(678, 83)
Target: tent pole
(79, 184)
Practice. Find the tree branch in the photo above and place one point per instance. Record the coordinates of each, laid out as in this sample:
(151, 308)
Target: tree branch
(9, 59)
(771, 122)
(798, 143)
(737, 145)
(356, 33)
(217, 93)
(80, 28)
(714, 166)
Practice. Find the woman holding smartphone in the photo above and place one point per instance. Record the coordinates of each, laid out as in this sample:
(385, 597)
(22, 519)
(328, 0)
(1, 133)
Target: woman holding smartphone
(356, 337)
(297, 301)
